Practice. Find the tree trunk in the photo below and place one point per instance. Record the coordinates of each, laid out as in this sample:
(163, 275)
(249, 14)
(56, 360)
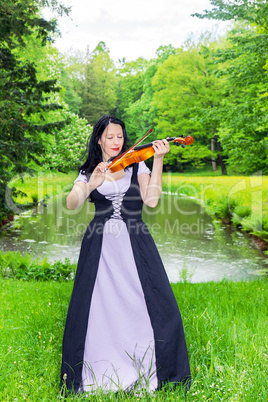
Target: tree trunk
(223, 167)
(214, 164)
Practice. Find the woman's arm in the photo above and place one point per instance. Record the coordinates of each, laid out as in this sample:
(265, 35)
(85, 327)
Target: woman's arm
(151, 186)
(80, 191)
(78, 195)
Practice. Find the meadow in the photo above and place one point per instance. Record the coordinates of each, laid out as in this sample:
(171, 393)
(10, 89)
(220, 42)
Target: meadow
(41, 186)
(225, 325)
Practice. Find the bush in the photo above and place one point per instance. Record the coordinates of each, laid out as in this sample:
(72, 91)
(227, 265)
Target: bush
(15, 265)
(240, 212)
(222, 207)
(256, 225)
(65, 151)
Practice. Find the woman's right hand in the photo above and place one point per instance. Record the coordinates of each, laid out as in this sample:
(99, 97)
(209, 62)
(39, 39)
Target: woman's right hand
(98, 175)
(81, 190)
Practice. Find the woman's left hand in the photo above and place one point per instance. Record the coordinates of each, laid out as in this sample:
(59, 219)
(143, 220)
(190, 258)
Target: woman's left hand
(161, 148)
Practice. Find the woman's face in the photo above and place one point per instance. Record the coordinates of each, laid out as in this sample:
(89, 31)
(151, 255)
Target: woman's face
(111, 141)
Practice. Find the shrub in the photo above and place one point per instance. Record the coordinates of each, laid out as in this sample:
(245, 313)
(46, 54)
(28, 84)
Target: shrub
(65, 151)
(24, 267)
(222, 207)
(256, 225)
(240, 212)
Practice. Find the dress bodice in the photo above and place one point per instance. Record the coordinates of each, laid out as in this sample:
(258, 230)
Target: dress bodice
(119, 199)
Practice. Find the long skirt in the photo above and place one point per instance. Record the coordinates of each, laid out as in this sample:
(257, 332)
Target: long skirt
(124, 329)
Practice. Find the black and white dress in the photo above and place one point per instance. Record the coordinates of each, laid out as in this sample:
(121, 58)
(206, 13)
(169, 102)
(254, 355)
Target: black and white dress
(123, 328)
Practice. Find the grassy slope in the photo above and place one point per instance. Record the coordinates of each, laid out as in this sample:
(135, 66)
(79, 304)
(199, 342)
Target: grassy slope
(225, 325)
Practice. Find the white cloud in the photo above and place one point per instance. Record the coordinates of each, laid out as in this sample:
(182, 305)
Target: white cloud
(133, 29)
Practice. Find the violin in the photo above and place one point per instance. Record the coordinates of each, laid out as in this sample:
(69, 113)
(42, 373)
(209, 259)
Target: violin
(140, 153)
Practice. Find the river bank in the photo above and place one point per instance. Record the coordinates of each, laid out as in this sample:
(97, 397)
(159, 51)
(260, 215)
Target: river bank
(237, 200)
(225, 325)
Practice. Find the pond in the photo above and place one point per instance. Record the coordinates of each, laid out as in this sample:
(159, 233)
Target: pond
(192, 247)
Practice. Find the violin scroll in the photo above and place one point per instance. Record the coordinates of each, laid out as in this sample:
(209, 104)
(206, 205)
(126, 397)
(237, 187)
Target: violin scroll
(188, 140)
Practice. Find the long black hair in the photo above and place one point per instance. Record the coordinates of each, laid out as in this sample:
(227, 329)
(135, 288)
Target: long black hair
(94, 151)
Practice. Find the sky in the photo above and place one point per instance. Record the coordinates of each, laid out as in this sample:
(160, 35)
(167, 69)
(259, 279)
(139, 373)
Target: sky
(132, 29)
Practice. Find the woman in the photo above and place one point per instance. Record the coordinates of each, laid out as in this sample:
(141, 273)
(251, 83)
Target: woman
(123, 328)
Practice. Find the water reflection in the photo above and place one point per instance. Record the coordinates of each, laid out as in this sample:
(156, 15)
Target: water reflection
(190, 245)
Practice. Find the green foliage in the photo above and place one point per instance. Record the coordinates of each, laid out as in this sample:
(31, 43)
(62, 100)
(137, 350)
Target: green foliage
(253, 12)
(240, 212)
(93, 89)
(24, 99)
(214, 89)
(66, 145)
(243, 113)
(223, 208)
(67, 148)
(256, 225)
(70, 96)
(185, 92)
(14, 265)
(35, 198)
(140, 113)
(129, 91)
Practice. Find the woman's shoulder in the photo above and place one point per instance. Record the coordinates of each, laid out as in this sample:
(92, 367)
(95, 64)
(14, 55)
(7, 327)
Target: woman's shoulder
(142, 168)
(81, 177)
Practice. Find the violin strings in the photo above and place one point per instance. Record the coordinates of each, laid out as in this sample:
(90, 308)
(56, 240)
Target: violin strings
(118, 160)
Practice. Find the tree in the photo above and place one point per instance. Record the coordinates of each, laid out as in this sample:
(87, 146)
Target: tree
(23, 97)
(93, 78)
(243, 124)
(70, 96)
(136, 94)
(129, 91)
(185, 92)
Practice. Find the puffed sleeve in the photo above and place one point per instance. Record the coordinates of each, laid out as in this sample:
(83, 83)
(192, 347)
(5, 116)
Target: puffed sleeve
(81, 177)
(143, 169)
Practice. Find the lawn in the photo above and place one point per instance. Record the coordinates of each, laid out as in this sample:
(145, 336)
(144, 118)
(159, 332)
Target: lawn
(225, 325)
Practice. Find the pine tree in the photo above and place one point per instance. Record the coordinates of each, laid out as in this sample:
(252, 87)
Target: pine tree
(24, 100)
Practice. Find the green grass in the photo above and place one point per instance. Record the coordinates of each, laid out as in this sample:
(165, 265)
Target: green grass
(202, 171)
(225, 325)
(42, 185)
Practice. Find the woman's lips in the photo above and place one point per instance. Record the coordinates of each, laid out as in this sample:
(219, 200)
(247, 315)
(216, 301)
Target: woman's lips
(115, 149)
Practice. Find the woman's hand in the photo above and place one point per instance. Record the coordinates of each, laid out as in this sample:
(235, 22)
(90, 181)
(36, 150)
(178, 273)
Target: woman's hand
(161, 148)
(80, 191)
(98, 175)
